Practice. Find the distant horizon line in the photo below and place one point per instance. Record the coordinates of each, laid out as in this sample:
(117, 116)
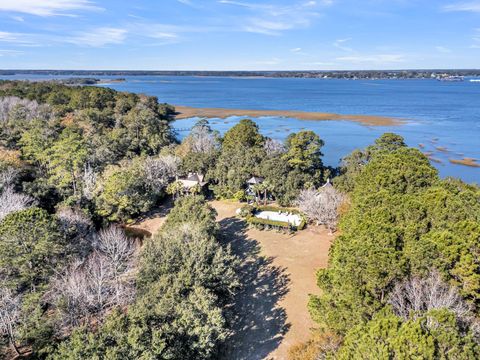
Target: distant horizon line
(232, 71)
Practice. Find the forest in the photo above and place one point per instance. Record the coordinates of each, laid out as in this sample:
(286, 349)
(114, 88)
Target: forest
(403, 278)
(79, 164)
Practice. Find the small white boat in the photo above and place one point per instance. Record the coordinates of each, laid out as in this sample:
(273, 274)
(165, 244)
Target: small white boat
(474, 80)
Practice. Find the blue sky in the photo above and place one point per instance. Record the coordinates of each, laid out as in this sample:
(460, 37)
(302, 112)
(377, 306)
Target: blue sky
(239, 35)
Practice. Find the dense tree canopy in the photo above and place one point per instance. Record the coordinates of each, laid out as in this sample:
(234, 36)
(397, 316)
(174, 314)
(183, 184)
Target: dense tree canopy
(31, 248)
(242, 151)
(122, 191)
(403, 222)
(185, 277)
(436, 335)
(70, 155)
(287, 168)
(200, 149)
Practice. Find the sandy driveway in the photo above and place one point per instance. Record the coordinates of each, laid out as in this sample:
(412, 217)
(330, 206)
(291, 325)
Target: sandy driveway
(278, 274)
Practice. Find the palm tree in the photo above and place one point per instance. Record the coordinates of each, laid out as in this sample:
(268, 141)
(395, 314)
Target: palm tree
(196, 189)
(267, 187)
(174, 189)
(257, 189)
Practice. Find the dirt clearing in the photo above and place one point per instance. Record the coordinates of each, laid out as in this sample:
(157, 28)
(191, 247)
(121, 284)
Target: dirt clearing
(278, 274)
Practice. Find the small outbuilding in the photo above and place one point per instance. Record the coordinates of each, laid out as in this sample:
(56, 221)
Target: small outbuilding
(253, 181)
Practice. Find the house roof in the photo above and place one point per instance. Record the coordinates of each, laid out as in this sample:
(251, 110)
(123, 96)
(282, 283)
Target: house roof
(328, 183)
(255, 180)
(192, 180)
(195, 177)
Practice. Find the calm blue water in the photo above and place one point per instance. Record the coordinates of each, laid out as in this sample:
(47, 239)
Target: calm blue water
(439, 114)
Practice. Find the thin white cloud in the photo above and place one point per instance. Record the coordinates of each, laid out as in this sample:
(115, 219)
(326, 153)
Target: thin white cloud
(340, 44)
(165, 34)
(99, 37)
(190, 3)
(443, 49)
(46, 7)
(270, 19)
(476, 40)
(270, 6)
(374, 59)
(269, 27)
(6, 36)
(466, 6)
(244, 4)
(10, 52)
(20, 39)
(296, 50)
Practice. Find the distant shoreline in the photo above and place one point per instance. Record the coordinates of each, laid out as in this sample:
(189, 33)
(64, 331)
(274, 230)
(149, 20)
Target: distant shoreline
(315, 74)
(185, 112)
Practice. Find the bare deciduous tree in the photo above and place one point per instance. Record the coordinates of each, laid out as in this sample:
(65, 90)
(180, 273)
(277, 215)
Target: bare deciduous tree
(73, 289)
(202, 139)
(10, 201)
(14, 108)
(160, 171)
(414, 297)
(7, 177)
(89, 181)
(308, 202)
(98, 273)
(321, 205)
(88, 289)
(115, 245)
(109, 269)
(274, 147)
(9, 316)
(119, 251)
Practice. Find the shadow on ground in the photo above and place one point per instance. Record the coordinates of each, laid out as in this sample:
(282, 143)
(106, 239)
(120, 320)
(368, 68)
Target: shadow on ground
(259, 323)
(160, 211)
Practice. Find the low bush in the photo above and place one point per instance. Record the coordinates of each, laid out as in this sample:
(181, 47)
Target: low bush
(302, 224)
(278, 208)
(240, 196)
(247, 211)
(280, 224)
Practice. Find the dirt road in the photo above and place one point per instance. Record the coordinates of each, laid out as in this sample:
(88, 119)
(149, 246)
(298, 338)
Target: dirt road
(278, 274)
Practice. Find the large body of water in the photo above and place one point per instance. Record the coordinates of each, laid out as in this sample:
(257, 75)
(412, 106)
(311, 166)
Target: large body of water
(442, 116)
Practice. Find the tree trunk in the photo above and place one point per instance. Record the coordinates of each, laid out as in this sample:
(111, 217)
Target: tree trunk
(15, 348)
(74, 183)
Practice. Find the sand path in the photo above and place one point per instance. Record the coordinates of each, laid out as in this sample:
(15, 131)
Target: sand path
(278, 273)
